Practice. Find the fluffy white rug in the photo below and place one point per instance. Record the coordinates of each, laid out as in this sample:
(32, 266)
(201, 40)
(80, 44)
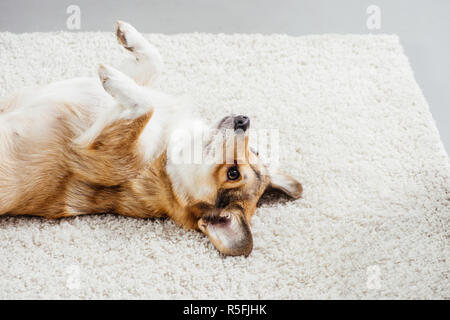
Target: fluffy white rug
(355, 130)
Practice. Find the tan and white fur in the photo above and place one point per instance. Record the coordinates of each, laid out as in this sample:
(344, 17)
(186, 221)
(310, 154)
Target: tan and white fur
(109, 145)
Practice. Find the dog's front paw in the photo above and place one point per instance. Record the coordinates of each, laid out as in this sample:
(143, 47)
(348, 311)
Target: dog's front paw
(117, 84)
(133, 99)
(103, 73)
(110, 78)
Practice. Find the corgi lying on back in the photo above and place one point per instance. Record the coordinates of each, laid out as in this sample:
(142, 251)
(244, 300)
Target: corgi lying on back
(85, 146)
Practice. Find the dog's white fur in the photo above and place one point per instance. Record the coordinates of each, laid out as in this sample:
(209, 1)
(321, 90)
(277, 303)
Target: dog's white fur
(32, 116)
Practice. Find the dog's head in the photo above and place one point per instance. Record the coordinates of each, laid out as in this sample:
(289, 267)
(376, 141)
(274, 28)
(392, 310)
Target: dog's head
(223, 189)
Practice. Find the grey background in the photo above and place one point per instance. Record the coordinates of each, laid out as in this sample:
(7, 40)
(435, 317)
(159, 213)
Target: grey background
(423, 26)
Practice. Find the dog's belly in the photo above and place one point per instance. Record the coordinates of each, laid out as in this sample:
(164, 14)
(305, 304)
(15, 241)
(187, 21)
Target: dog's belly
(36, 127)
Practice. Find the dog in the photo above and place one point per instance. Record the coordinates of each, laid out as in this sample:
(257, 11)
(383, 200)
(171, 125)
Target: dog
(114, 144)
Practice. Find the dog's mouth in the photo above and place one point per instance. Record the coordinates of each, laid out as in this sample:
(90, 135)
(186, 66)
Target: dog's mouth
(229, 232)
(217, 220)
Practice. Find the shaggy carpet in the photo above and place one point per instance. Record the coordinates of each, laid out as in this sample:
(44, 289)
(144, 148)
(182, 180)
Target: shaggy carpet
(354, 128)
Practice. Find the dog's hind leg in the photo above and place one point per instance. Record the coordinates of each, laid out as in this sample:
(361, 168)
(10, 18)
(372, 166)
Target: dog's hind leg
(146, 64)
(107, 153)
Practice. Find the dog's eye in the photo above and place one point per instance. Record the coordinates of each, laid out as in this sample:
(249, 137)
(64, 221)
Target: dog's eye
(233, 173)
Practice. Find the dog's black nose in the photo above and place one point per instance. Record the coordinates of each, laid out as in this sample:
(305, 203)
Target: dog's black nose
(241, 122)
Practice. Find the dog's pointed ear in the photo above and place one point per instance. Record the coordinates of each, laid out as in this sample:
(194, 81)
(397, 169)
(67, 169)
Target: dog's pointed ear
(285, 183)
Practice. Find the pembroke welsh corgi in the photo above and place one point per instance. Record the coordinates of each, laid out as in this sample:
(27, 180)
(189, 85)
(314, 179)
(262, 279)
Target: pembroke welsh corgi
(114, 144)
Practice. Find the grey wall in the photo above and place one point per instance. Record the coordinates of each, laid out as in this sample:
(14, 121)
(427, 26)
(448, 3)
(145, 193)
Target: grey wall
(423, 26)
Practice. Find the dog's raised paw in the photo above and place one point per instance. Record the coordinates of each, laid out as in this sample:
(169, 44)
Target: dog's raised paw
(112, 79)
(128, 36)
(132, 99)
(120, 34)
(102, 74)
